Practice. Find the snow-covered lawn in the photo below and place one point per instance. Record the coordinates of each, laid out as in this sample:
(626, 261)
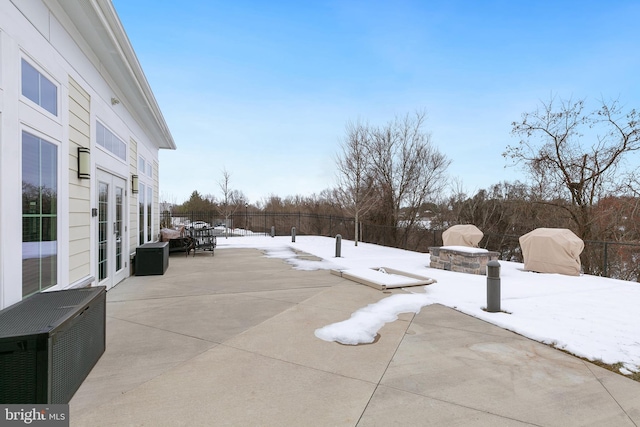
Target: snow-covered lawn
(592, 317)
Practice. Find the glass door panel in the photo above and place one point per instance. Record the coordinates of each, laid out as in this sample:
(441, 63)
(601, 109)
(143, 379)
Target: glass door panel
(119, 227)
(103, 230)
(111, 229)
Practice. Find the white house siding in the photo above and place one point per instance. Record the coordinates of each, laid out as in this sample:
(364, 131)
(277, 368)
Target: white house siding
(21, 39)
(81, 47)
(79, 189)
(133, 201)
(156, 199)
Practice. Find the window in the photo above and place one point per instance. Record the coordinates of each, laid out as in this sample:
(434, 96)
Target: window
(149, 200)
(144, 167)
(39, 89)
(39, 214)
(145, 217)
(145, 201)
(141, 216)
(119, 225)
(103, 230)
(105, 138)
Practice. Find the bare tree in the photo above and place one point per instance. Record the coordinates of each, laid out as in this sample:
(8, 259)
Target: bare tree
(355, 190)
(166, 205)
(231, 200)
(580, 158)
(633, 184)
(408, 169)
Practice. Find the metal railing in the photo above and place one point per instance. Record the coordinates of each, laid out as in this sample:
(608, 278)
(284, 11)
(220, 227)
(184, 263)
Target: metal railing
(260, 223)
(620, 260)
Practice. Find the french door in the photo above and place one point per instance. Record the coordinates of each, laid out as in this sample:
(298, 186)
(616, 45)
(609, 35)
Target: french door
(111, 262)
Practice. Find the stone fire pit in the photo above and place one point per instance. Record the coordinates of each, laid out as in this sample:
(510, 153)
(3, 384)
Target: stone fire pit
(462, 259)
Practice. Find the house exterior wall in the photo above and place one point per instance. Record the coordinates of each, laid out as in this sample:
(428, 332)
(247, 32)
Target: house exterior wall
(156, 198)
(133, 201)
(44, 34)
(79, 189)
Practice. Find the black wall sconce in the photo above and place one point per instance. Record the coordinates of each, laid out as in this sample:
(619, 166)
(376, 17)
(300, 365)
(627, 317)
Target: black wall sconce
(84, 163)
(134, 184)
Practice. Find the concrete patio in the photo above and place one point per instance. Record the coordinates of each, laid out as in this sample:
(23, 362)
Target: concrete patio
(228, 340)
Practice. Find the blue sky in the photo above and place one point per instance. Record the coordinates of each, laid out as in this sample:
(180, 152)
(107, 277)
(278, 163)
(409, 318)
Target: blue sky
(265, 88)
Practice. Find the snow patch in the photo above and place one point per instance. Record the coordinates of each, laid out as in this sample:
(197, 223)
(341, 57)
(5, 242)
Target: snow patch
(592, 317)
(363, 325)
(466, 249)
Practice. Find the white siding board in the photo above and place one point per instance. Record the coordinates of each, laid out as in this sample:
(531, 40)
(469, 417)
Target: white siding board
(133, 200)
(79, 191)
(83, 101)
(79, 206)
(78, 266)
(78, 123)
(78, 247)
(75, 136)
(77, 233)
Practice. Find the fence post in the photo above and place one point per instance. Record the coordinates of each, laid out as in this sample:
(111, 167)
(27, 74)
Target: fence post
(606, 260)
(338, 245)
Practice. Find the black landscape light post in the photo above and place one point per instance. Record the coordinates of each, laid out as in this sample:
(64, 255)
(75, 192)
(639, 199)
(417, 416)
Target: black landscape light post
(246, 217)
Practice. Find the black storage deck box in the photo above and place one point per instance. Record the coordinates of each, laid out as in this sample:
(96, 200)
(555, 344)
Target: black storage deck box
(49, 342)
(152, 258)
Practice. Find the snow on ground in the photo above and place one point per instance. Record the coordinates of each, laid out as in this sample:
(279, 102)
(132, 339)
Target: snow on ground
(465, 249)
(363, 325)
(589, 316)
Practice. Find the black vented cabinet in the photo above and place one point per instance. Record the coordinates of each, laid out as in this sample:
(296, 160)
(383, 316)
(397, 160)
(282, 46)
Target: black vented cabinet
(49, 342)
(152, 258)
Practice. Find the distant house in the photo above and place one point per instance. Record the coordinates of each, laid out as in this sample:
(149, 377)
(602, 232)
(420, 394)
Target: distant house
(80, 132)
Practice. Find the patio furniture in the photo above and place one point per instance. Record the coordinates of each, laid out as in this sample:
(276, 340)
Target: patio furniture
(152, 258)
(178, 239)
(179, 244)
(204, 239)
(49, 342)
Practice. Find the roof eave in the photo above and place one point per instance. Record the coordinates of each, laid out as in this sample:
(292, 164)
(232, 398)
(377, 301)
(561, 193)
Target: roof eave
(108, 41)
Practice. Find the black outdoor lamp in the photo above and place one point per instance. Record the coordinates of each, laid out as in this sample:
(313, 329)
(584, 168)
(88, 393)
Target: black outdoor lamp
(134, 184)
(84, 163)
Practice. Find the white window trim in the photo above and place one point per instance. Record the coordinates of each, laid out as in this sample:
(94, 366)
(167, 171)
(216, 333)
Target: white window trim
(104, 149)
(146, 189)
(48, 76)
(147, 167)
(57, 143)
